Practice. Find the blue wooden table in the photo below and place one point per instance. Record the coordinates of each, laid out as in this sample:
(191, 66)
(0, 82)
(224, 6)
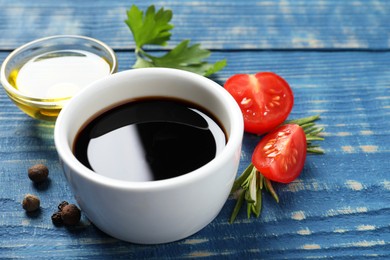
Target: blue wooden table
(335, 55)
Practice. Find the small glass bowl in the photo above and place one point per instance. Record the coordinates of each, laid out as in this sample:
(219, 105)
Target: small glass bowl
(43, 107)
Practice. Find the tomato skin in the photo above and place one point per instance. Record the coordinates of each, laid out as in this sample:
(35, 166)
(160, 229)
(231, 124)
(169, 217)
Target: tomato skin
(265, 99)
(280, 155)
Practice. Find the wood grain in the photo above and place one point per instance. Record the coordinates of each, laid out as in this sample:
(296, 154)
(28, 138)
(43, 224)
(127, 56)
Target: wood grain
(222, 24)
(338, 207)
(335, 56)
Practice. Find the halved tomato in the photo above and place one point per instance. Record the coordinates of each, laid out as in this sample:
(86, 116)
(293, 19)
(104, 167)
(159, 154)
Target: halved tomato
(280, 155)
(265, 99)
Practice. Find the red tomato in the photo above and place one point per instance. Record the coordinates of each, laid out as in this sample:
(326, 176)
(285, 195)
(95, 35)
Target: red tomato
(280, 155)
(265, 100)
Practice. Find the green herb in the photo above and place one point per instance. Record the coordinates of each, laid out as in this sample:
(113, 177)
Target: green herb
(153, 28)
(249, 186)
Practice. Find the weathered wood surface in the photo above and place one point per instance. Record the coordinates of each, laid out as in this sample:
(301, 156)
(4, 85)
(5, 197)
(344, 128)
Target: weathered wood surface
(221, 24)
(334, 54)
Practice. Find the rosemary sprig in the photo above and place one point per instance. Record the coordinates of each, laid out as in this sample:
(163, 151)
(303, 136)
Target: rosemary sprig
(249, 186)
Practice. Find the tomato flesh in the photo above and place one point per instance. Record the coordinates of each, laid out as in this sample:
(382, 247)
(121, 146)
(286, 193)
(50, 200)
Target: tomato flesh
(281, 154)
(265, 99)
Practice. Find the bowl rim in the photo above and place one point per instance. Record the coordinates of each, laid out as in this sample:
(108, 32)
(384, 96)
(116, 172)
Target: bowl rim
(47, 102)
(229, 151)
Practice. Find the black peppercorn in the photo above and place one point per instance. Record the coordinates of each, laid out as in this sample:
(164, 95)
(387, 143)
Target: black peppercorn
(70, 215)
(31, 203)
(62, 204)
(56, 218)
(38, 173)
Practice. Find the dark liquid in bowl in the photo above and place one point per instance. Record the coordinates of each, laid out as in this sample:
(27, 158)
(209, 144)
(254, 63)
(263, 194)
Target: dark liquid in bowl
(149, 139)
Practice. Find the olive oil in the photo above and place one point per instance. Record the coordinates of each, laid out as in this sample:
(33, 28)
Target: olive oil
(149, 139)
(57, 76)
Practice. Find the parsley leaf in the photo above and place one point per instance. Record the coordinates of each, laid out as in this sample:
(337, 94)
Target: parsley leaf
(153, 28)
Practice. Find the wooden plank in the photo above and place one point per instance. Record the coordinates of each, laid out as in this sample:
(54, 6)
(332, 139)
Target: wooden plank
(337, 208)
(222, 24)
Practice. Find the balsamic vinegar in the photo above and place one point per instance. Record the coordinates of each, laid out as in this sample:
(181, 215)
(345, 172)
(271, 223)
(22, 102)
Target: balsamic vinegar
(149, 139)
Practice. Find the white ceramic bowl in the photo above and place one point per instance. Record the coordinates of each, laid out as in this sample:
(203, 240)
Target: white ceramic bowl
(155, 211)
